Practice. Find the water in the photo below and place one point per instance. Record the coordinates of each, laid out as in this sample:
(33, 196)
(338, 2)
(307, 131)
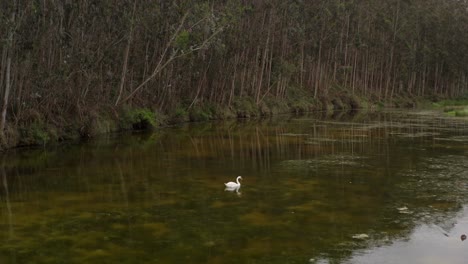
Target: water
(387, 187)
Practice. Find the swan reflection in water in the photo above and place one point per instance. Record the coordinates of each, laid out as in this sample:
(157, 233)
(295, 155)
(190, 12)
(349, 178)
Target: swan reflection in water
(233, 189)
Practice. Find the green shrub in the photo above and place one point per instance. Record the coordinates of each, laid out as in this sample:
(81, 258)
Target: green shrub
(202, 113)
(140, 118)
(276, 106)
(180, 115)
(299, 100)
(223, 112)
(182, 40)
(180, 112)
(462, 113)
(451, 113)
(245, 107)
(450, 103)
(35, 134)
(301, 106)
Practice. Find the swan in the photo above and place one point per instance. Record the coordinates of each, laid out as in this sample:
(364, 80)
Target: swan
(234, 184)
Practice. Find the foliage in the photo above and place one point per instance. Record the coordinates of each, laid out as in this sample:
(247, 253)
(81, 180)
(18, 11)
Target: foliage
(140, 118)
(277, 106)
(458, 107)
(300, 100)
(180, 115)
(450, 103)
(182, 40)
(35, 134)
(245, 107)
(462, 113)
(202, 113)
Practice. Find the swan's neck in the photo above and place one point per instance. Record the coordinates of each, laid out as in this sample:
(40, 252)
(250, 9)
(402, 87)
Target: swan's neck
(237, 180)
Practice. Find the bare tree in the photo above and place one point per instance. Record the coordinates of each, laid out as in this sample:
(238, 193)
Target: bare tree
(8, 51)
(166, 59)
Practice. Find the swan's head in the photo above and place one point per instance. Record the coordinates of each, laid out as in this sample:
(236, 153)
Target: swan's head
(239, 177)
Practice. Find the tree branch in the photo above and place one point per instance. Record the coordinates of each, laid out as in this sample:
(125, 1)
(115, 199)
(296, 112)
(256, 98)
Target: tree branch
(161, 65)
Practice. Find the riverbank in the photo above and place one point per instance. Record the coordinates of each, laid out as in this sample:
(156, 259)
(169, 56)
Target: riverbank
(111, 120)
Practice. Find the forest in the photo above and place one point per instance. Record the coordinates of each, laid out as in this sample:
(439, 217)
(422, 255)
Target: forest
(77, 68)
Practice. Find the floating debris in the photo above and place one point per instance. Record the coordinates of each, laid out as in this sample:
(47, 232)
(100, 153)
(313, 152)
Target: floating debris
(316, 141)
(404, 210)
(329, 160)
(415, 135)
(454, 138)
(361, 236)
(293, 135)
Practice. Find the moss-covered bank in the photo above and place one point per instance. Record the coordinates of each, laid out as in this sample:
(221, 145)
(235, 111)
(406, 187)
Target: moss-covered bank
(140, 118)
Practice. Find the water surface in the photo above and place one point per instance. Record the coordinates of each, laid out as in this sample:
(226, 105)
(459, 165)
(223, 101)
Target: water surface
(386, 187)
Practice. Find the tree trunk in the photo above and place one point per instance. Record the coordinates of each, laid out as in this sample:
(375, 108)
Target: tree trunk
(126, 54)
(9, 53)
(5, 96)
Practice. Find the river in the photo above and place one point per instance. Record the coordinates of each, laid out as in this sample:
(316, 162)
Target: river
(381, 187)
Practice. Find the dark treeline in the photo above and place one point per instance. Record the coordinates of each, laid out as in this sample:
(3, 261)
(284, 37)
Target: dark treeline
(65, 59)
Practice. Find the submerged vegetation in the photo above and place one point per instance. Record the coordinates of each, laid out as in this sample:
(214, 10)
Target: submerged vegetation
(85, 63)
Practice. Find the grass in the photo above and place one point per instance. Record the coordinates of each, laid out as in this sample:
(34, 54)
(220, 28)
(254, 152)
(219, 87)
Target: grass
(458, 108)
(450, 103)
(462, 113)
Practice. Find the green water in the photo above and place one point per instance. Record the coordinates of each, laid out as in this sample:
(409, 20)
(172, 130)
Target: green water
(387, 187)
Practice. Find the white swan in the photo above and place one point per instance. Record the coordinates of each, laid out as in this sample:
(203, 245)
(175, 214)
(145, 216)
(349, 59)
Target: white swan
(234, 184)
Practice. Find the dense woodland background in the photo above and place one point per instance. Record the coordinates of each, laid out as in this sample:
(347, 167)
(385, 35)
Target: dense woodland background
(66, 64)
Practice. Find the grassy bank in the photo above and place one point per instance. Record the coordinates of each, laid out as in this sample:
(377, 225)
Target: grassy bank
(458, 108)
(104, 121)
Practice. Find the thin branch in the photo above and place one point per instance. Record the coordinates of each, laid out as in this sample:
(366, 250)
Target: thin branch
(127, 52)
(173, 57)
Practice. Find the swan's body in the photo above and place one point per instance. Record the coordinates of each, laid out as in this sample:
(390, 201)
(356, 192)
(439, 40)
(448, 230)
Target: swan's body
(233, 185)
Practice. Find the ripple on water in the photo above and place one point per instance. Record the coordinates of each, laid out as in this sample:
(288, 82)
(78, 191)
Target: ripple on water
(454, 138)
(326, 160)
